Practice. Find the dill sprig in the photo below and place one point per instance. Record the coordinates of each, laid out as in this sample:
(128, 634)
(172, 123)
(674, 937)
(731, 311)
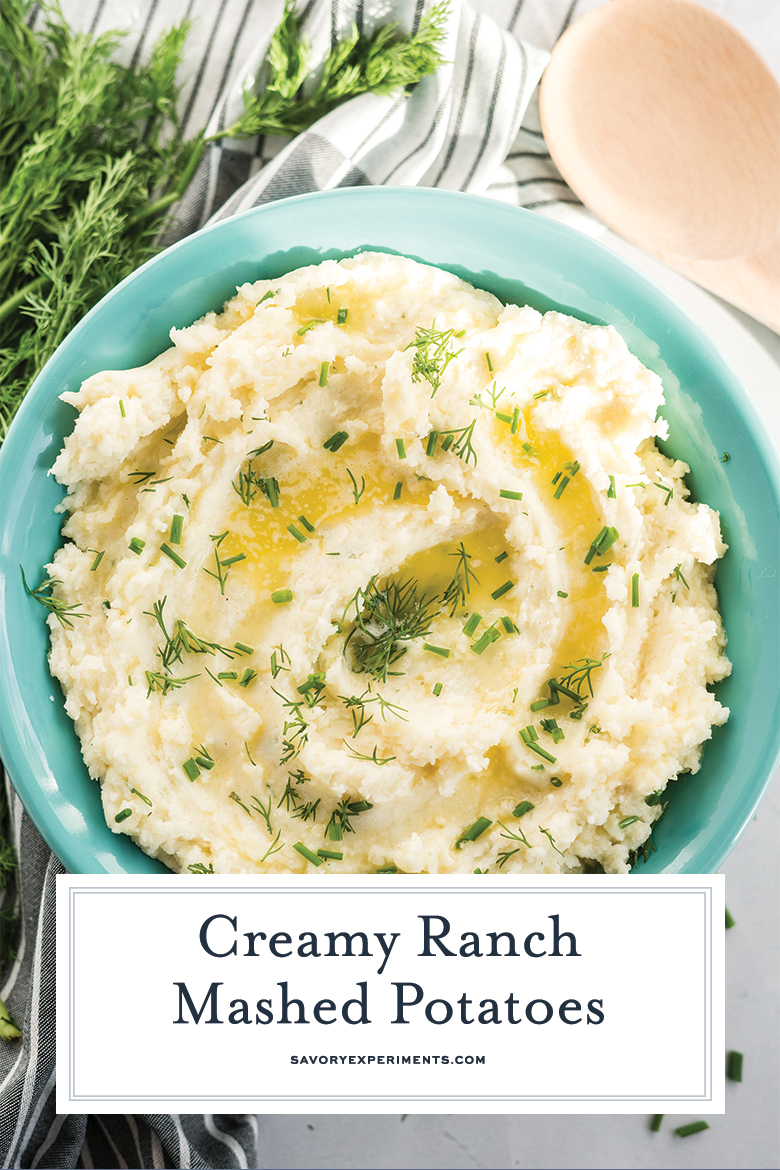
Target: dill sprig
(61, 610)
(680, 580)
(386, 615)
(381, 63)
(341, 818)
(222, 567)
(91, 159)
(579, 677)
(356, 705)
(455, 593)
(511, 835)
(433, 352)
(184, 639)
(457, 440)
(372, 759)
(155, 681)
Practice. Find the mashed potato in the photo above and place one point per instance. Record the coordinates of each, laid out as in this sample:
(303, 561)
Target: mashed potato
(378, 574)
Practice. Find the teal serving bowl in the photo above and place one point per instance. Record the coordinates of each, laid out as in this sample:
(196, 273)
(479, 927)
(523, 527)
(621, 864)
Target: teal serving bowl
(521, 258)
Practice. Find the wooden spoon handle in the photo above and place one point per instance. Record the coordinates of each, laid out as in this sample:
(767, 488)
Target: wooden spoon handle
(752, 283)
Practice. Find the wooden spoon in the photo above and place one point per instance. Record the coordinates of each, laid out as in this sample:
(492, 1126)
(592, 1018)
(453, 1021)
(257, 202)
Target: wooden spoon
(666, 123)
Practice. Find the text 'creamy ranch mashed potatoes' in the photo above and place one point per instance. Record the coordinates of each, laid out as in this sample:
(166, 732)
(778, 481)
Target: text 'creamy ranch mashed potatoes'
(381, 575)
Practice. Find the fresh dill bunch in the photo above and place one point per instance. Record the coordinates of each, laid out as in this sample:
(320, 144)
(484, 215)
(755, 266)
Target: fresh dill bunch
(386, 616)
(90, 160)
(384, 62)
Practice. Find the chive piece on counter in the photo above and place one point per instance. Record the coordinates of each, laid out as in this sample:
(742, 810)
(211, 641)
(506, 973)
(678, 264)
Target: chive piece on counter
(294, 532)
(734, 1066)
(309, 527)
(330, 855)
(502, 589)
(437, 689)
(324, 373)
(299, 847)
(655, 1124)
(341, 317)
(335, 442)
(176, 528)
(562, 594)
(612, 495)
(442, 651)
(559, 490)
(635, 591)
(501, 557)
(280, 596)
(177, 560)
(729, 919)
(400, 448)
(470, 627)
(509, 625)
(489, 363)
(96, 561)
(122, 408)
(397, 490)
(693, 1127)
(539, 705)
(522, 808)
(137, 545)
(506, 494)
(123, 815)
(191, 769)
(473, 831)
(515, 420)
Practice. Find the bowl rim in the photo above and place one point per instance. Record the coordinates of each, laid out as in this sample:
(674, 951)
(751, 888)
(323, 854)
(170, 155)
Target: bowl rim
(35, 800)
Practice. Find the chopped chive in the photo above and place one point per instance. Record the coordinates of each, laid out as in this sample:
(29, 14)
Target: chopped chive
(210, 439)
(539, 705)
(574, 467)
(327, 293)
(693, 1127)
(489, 363)
(177, 560)
(401, 449)
(669, 492)
(430, 446)
(141, 796)
(310, 325)
(509, 625)
(605, 539)
(635, 591)
(612, 495)
(541, 394)
(341, 317)
(556, 783)
(734, 1066)
(522, 808)
(122, 408)
(397, 490)
(628, 821)
(324, 373)
(186, 499)
(505, 494)
(137, 545)
(655, 1124)
(272, 491)
(309, 527)
(232, 560)
(299, 847)
(507, 418)
(176, 528)
(123, 815)
(389, 869)
(540, 751)
(501, 557)
(490, 635)
(473, 831)
(330, 855)
(96, 561)
(129, 680)
(191, 769)
(243, 648)
(531, 733)
(437, 689)
(280, 596)
(515, 420)
(599, 568)
(294, 532)
(560, 488)
(562, 594)
(442, 651)
(335, 442)
(228, 674)
(502, 589)
(729, 919)
(448, 441)
(471, 625)
(247, 677)
(526, 447)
